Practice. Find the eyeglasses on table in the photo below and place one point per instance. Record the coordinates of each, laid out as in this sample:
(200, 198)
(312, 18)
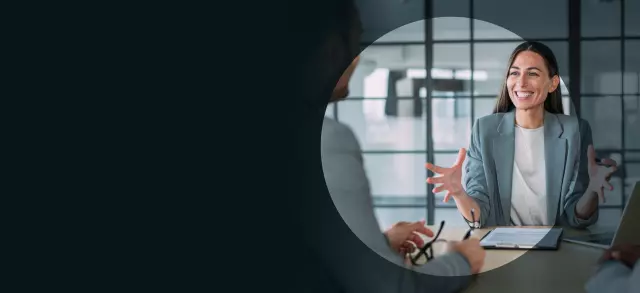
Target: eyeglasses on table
(427, 248)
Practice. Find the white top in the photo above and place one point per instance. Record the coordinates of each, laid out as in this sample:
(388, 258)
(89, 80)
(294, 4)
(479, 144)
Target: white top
(529, 185)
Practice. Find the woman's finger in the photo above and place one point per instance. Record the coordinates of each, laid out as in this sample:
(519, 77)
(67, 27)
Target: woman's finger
(440, 188)
(462, 153)
(417, 240)
(436, 180)
(419, 227)
(608, 185)
(435, 168)
(409, 248)
(398, 224)
(608, 162)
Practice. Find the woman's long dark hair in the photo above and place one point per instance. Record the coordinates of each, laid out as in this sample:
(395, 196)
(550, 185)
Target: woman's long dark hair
(553, 103)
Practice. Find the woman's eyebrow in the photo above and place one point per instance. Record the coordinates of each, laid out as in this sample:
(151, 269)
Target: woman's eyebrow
(529, 68)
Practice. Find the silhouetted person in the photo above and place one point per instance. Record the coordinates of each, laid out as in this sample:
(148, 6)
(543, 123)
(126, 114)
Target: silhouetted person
(336, 260)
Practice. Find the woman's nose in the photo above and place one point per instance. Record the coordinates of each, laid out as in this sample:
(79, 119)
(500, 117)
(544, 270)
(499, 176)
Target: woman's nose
(522, 80)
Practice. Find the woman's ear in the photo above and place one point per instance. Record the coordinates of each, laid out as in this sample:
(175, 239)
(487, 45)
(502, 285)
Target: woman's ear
(555, 82)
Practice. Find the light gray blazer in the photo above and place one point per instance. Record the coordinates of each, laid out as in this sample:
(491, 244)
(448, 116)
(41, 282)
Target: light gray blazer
(489, 167)
(348, 185)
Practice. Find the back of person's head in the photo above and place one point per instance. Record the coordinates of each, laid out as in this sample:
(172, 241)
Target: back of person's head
(327, 41)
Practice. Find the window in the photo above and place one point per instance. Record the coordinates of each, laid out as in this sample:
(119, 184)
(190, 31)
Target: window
(391, 109)
(601, 67)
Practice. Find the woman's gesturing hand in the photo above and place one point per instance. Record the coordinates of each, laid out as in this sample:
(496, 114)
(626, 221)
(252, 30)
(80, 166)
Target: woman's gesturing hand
(599, 175)
(449, 178)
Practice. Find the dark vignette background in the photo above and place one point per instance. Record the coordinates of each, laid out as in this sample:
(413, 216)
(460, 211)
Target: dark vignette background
(136, 164)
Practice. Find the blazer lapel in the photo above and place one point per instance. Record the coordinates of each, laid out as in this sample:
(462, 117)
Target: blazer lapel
(503, 151)
(555, 157)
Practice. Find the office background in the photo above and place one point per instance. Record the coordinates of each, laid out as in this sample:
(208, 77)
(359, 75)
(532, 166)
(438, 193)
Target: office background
(401, 123)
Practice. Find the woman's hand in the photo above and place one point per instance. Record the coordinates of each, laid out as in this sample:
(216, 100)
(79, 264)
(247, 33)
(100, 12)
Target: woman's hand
(450, 178)
(599, 176)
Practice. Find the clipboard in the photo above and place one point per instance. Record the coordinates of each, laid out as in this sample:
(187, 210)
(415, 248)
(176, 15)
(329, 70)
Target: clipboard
(549, 241)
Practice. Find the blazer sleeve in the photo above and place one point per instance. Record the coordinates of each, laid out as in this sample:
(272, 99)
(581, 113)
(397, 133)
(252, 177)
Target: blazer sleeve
(475, 181)
(345, 176)
(580, 182)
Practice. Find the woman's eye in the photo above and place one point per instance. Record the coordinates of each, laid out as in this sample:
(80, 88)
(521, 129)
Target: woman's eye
(513, 73)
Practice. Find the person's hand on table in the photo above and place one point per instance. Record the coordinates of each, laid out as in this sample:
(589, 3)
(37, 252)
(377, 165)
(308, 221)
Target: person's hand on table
(626, 253)
(472, 251)
(599, 176)
(450, 178)
(404, 236)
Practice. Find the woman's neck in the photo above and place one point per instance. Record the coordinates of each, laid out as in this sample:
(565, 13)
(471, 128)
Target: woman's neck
(530, 118)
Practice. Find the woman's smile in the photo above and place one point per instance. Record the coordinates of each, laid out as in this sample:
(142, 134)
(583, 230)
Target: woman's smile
(523, 95)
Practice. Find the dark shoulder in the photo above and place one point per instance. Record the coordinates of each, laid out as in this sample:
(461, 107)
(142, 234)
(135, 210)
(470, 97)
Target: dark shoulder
(332, 127)
(337, 135)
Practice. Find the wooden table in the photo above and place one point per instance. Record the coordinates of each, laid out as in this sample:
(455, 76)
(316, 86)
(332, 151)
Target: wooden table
(564, 270)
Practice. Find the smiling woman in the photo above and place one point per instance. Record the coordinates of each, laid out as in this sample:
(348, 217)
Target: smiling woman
(533, 79)
(529, 164)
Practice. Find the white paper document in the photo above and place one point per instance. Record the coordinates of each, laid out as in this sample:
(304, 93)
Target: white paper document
(515, 237)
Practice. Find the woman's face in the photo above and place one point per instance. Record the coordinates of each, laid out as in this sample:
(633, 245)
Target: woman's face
(528, 81)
